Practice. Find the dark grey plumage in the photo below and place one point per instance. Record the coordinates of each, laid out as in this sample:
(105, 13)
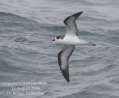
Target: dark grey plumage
(63, 60)
(74, 17)
(71, 25)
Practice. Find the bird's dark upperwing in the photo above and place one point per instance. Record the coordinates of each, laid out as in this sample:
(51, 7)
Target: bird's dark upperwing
(63, 60)
(70, 22)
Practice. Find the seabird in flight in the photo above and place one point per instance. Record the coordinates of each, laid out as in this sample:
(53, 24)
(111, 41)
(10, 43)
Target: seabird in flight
(69, 40)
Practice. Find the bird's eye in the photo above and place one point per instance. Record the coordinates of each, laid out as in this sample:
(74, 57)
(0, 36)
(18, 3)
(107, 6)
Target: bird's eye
(58, 37)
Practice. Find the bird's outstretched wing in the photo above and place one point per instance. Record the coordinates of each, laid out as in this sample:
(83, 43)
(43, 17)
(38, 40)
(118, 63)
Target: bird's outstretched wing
(63, 60)
(70, 22)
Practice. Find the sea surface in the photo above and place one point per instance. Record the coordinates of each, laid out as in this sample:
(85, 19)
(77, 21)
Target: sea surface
(28, 58)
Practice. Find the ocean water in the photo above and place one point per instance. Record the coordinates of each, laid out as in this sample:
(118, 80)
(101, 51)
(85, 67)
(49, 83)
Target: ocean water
(28, 58)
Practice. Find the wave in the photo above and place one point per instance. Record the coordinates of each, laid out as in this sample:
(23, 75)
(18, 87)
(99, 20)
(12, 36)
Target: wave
(10, 22)
(86, 94)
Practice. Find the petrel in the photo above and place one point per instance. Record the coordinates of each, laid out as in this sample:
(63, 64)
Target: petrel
(69, 40)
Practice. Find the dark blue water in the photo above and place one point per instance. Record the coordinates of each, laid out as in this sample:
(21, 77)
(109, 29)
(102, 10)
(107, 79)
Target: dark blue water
(28, 59)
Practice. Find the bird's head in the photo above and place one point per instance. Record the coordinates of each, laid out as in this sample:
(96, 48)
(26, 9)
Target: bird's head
(56, 38)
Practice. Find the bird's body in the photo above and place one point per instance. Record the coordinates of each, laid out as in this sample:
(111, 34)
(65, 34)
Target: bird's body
(69, 40)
